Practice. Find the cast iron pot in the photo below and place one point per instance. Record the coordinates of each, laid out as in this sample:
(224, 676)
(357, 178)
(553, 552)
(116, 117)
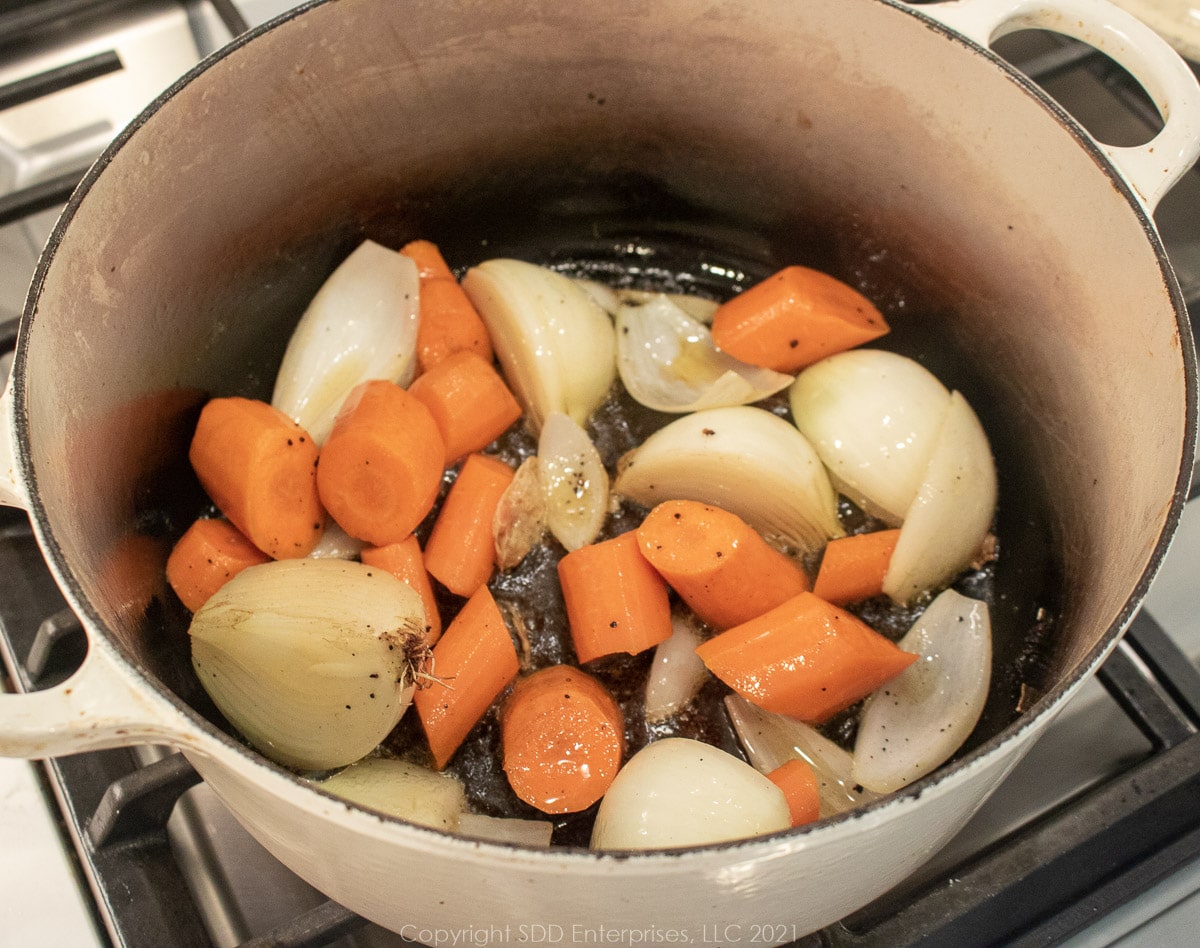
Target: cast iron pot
(712, 141)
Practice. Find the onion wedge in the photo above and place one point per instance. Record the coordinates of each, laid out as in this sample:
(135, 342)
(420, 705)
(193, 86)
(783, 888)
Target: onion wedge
(553, 340)
(500, 829)
(741, 459)
(697, 307)
(574, 481)
(915, 722)
(771, 740)
(520, 518)
(946, 524)
(676, 671)
(361, 324)
(402, 789)
(610, 300)
(313, 661)
(668, 362)
(680, 792)
(337, 544)
(872, 416)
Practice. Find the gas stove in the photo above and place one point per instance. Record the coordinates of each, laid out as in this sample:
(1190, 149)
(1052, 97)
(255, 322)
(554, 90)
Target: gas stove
(1093, 839)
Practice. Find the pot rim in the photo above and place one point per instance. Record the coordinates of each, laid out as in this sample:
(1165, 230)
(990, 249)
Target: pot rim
(939, 782)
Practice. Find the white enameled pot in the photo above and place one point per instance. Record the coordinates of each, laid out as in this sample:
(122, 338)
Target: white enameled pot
(179, 262)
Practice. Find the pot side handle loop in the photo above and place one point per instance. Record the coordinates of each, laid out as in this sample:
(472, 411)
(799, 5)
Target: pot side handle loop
(95, 709)
(1151, 169)
(11, 493)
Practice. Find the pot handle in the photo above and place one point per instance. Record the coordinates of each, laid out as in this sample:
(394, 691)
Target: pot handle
(11, 492)
(95, 709)
(1151, 169)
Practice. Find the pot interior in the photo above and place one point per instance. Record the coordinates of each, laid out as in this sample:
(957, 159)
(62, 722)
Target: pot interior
(666, 143)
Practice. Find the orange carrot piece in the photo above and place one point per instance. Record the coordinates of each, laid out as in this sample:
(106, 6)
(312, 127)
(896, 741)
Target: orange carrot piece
(852, 568)
(473, 662)
(405, 561)
(616, 601)
(563, 737)
(461, 550)
(260, 468)
(209, 554)
(469, 401)
(431, 265)
(794, 318)
(806, 659)
(381, 466)
(717, 562)
(800, 788)
(449, 322)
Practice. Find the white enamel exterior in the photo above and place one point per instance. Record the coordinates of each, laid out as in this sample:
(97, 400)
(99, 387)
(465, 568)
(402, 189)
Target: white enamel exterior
(980, 120)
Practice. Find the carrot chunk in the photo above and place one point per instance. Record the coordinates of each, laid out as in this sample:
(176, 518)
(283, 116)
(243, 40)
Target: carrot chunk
(852, 568)
(405, 561)
(449, 323)
(795, 318)
(209, 554)
(461, 550)
(800, 788)
(260, 468)
(431, 265)
(381, 467)
(469, 401)
(717, 562)
(473, 662)
(806, 659)
(616, 601)
(563, 737)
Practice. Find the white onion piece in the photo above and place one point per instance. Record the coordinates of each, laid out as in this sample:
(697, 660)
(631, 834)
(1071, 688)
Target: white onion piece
(873, 417)
(574, 481)
(361, 324)
(668, 362)
(697, 307)
(771, 740)
(313, 661)
(916, 721)
(610, 300)
(602, 295)
(499, 829)
(741, 459)
(520, 518)
(555, 343)
(680, 792)
(946, 525)
(337, 544)
(403, 789)
(676, 671)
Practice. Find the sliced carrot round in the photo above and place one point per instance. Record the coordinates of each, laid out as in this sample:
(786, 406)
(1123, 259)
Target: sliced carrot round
(800, 787)
(563, 739)
(806, 659)
(717, 562)
(260, 468)
(853, 567)
(209, 554)
(381, 467)
(616, 601)
(406, 562)
(469, 402)
(794, 318)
